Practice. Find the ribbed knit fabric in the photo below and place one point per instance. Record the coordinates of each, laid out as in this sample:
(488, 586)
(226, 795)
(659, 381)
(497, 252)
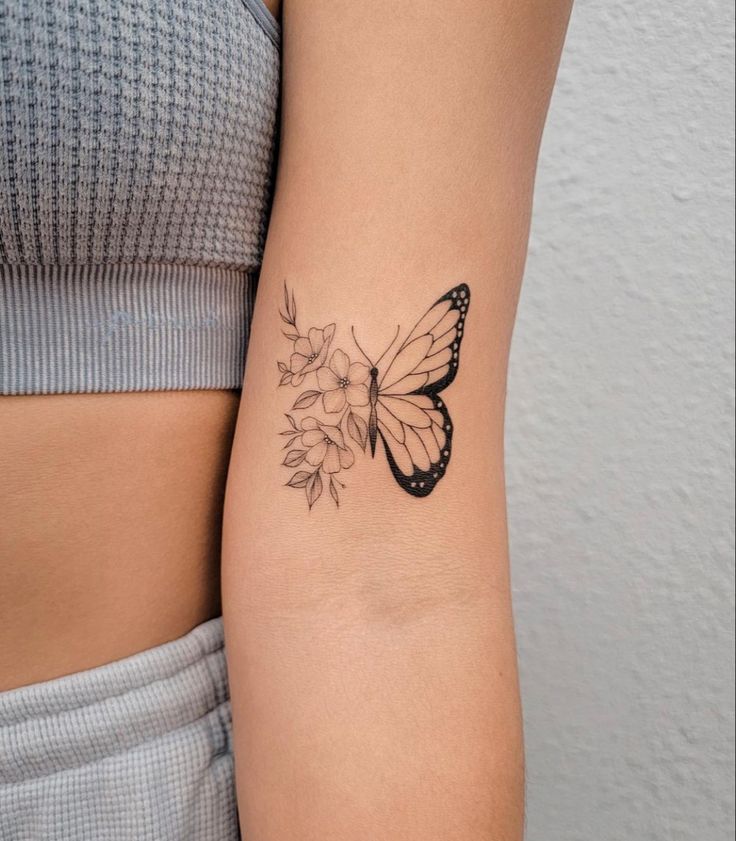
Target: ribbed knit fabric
(136, 750)
(122, 327)
(137, 142)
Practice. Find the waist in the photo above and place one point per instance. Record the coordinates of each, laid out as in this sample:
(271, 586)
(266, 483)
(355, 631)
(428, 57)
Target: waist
(110, 535)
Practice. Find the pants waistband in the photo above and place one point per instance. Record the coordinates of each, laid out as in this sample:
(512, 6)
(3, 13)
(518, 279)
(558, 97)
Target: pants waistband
(84, 717)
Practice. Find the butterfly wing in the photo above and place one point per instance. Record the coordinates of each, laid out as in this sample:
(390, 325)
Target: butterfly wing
(428, 359)
(413, 420)
(417, 437)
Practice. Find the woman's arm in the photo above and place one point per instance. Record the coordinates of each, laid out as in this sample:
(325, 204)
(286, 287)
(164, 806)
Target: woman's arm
(370, 645)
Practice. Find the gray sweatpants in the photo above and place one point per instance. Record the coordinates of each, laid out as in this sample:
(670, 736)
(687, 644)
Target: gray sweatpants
(135, 750)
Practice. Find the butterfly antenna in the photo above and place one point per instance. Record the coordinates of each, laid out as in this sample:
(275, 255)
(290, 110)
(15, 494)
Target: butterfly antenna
(357, 343)
(396, 336)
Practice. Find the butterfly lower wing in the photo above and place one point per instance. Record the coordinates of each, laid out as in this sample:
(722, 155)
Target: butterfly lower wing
(418, 450)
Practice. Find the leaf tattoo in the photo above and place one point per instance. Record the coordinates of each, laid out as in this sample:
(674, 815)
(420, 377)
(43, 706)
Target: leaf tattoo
(396, 398)
(304, 401)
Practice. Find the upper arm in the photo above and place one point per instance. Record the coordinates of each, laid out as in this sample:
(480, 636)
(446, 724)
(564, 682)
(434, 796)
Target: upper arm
(408, 148)
(371, 642)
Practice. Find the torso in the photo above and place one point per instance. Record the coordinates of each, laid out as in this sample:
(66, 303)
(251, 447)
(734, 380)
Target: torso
(110, 527)
(110, 523)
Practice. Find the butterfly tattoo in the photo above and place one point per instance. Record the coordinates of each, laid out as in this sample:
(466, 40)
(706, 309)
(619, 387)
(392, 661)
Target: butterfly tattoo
(396, 398)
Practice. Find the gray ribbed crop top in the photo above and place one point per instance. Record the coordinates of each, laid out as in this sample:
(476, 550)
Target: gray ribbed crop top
(137, 142)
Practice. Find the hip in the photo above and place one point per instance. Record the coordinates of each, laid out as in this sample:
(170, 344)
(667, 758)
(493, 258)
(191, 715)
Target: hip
(135, 750)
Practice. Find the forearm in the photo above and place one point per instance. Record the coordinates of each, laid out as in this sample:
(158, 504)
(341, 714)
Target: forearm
(370, 645)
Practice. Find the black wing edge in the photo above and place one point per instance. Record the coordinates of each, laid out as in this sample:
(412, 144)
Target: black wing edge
(459, 296)
(423, 482)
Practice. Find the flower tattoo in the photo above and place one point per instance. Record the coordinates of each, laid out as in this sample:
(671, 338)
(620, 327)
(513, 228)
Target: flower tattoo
(343, 382)
(310, 352)
(397, 401)
(325, 446)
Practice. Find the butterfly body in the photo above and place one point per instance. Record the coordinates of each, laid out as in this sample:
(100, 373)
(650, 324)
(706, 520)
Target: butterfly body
(373, 413)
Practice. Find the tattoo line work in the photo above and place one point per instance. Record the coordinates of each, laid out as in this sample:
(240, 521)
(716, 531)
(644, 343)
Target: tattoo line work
(397, 400)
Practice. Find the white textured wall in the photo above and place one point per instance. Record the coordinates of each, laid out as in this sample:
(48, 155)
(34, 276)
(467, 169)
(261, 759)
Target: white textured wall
(619, 433)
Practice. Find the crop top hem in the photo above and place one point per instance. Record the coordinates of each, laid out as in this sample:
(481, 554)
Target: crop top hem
(123, 327)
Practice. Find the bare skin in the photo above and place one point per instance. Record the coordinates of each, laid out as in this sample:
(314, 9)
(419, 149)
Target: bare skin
(109, 537)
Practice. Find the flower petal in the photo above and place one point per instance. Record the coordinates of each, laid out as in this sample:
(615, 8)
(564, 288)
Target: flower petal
(297, 362)
(326, 379)
(312, 437)
(340, 363)
(310, 423)
(358, 373)
(316, 454)
(321, 356)
(331, 463)
(333, 433)
(302, 346)
(313, 365)
(334, 401)
(346, 458)
(357, 395)
(316, 339)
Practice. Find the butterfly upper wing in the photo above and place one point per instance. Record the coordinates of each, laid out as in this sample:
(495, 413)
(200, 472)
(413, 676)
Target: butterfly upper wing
(428, 359)
(413, 420)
